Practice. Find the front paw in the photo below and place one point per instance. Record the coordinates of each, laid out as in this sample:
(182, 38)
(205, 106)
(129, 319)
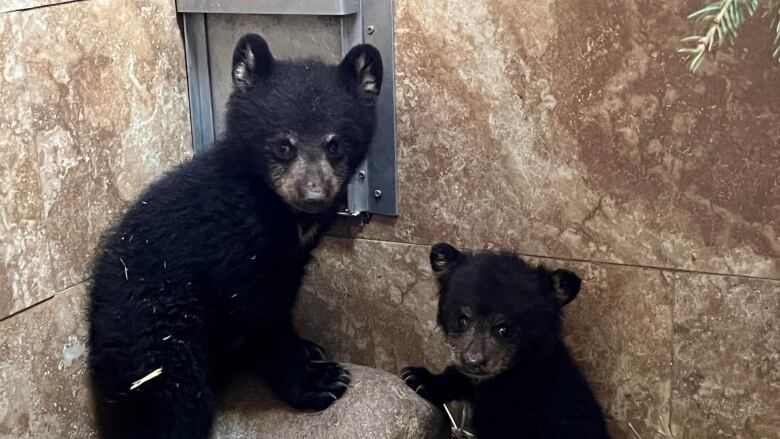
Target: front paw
(422, 382)
(323, 383)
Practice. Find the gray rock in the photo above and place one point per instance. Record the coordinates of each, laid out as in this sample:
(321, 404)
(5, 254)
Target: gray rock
(377, 406)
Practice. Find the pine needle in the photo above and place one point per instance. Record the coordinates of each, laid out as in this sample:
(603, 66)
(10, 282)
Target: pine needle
(723, 20)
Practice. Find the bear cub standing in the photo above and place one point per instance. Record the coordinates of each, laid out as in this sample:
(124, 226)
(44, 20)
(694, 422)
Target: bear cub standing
(205, 267)
(502, 317)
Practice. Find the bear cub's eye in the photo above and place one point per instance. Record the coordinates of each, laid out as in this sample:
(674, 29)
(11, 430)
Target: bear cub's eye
(284, 150)
(463, 323)
(333, 147)
(502, 331)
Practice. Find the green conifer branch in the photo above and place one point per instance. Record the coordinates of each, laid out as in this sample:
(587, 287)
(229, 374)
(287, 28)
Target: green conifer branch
(721, 23)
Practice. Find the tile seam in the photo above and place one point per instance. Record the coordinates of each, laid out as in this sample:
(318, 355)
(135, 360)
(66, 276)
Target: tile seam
(32, 8)
(589, 261)
(42, 301)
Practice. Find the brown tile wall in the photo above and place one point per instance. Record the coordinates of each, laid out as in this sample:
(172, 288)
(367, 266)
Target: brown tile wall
(17, 5)
(573, 129)
(43, 391)
(95, 105)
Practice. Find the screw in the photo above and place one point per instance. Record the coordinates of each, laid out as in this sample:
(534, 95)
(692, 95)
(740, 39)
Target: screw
(362, 175)
(370, 30)
(377, 193)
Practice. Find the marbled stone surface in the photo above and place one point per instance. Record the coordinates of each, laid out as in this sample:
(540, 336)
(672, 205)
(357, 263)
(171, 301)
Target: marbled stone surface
(94, 107)
(43, 383)
(15, 5)
(377, 405)
(573, 129)
(372, 303)
(726, 381)
(619, 330)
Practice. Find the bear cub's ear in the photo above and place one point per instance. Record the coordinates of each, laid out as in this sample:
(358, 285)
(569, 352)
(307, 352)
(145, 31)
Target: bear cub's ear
(444, 257)
(361, 69)
(252, 60)
(566, 285)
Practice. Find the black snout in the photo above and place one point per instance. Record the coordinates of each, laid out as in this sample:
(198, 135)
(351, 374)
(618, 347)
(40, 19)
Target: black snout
(473, 357)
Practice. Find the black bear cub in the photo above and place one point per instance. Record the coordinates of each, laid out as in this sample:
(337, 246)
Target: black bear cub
(502, 317)
(203, 270)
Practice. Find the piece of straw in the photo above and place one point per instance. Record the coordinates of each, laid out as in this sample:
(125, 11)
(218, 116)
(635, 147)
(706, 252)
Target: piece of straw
(152, 375)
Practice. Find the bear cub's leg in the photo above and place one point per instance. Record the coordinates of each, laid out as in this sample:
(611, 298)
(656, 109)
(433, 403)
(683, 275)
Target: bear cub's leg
(295, 370)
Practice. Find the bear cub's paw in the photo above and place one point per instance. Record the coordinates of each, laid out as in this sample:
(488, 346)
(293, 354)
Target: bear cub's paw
(323, 383)
(423, 382)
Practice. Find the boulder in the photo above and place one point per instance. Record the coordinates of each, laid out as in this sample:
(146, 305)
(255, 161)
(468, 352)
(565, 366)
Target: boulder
(378, 405)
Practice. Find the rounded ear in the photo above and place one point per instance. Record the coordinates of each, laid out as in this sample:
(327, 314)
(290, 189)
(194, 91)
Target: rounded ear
(566, 285)
(443, 257)
(361, 69)
(252, 60)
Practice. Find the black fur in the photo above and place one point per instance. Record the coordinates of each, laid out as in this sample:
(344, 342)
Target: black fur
(502, 317)
(203, 269)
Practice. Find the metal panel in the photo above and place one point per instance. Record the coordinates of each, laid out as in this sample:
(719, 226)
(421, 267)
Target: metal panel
(381, 173)
(357, 189)
(270, 7)
(288, 36)
(198, 81)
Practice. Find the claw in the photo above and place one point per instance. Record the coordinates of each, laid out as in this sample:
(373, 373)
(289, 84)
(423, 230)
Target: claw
(407, 378)
(341, 384)
(417, 390)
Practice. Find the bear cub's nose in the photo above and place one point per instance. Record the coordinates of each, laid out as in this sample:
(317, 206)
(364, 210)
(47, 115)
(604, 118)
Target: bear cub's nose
(313, 193)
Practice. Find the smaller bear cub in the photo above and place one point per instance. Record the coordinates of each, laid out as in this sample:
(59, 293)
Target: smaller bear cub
(502, 317)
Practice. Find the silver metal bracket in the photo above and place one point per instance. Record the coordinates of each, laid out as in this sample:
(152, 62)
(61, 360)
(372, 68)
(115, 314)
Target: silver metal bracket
(270, 7)
(207, 23)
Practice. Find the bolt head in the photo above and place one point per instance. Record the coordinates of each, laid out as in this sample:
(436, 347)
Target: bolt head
(370, 30)
(377, 193)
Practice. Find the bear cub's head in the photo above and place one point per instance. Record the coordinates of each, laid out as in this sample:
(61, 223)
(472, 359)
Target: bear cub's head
(496, 310)
(306, 124)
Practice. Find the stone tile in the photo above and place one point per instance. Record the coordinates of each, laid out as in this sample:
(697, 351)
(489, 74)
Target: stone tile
(567, 129)
(95, 106)
(374, 303)
(16, 5)
(43, 379)
(619, 330)
(726, 358)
